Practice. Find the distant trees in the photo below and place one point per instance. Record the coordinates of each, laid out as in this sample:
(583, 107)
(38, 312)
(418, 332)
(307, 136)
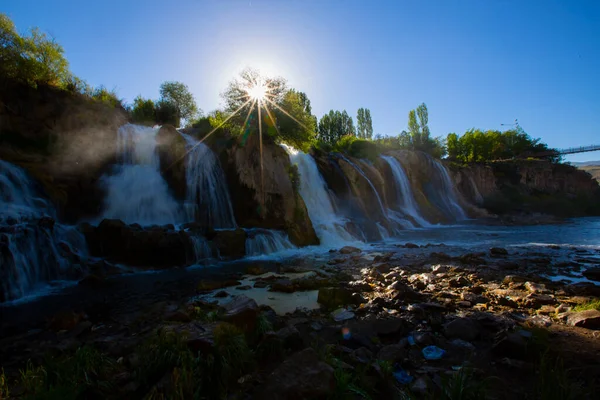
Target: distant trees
(285, 113)
(33, 59)
(418, 136)
(364, 124)
(481, 146)
(177, 96)
(335, 125)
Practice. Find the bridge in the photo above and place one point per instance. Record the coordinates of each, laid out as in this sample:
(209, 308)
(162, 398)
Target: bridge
(575, 150)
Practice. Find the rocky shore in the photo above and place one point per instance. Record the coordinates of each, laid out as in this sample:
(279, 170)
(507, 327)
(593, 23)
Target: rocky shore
(409, 321)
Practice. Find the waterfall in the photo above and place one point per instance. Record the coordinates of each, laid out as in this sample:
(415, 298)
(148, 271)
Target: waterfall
(137, 192)
(328, 225)
(263, 241)
(404, 191)
(202, 249)
(207, 199)
(33, 248)
(448, 193)
(362, 173)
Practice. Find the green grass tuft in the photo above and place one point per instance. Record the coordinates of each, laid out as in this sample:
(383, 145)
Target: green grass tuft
(590, 305)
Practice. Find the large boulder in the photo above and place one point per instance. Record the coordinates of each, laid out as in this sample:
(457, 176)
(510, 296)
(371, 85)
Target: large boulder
(230, 243)
(241, 311)
(302, 376)
(589, 319)
(280, 206)
(462, 328)
(172, 149)
(592, 273)
(132, 245)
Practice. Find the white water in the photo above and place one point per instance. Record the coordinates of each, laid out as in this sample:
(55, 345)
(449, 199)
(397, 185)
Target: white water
(137, 192)
(207, 199)
(202, 250)
(404, 192)
(448, 193)
(261, 242)
(30, 253)
(328, 226)
(362, 173)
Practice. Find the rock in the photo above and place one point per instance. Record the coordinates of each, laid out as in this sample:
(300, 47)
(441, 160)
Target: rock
(245, 287)
(392, 353)
(290, 336)
(462, 328)
(411, 246)
(536, 287)
(283, 286)
(198, 337)
(230, 243)
(403, 291)
(388, 327)
(331, 297)
(512, 345)
(171, 149)
(537, 300)
(458, 282)
(349, 250)
(583, 289)
(382, 268)
(178, 316)
(65, 321)
(362, 355)
(463, 344)
(255, 270)
(93, 281)
(498, 251)
(421, 385)
(440, 256)
(241, 311)
(513, 279)
(474, 298)
(592, 273)
(221, 294)
(342, 315)
(589, 319)
(302, 376)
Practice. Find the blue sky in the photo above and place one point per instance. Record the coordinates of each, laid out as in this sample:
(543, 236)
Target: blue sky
(474, 63)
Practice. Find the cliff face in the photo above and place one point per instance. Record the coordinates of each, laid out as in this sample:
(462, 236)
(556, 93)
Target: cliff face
(65, 141)
(530, 186)
(280, 206)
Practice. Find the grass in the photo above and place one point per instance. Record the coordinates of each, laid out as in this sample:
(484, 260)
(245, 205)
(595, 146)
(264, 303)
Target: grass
(554, 381)
(4, 391)
(590, 305)
(462, 386)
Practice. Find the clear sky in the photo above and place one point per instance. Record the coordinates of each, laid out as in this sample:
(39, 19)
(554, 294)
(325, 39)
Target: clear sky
(474, 63)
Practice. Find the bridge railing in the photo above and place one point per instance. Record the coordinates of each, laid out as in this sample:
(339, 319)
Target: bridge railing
(581, 149)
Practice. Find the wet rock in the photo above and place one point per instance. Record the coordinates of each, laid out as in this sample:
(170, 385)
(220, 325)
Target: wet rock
(498, 251)
(245, 287)
(462, 328)
(382, 268)
(362, 355)
(392, 353)
(335, 296)
(221, 294)
(463, 344)
(440, 256)
(342, 314)
(241, 311)
(231, 243)
(255, 270)
(261, 284)
(421, 385)
(302, 376)
(93, 281)
(583, 289)
(349, 250)
(411, 246)
(283, 286)
(513, 279)
(508, 265)
(592, 273)
(589, 319)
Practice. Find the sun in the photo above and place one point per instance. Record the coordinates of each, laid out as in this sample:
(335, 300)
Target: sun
(257, 91)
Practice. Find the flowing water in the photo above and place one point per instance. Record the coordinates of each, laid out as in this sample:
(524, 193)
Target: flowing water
(328, 225)
(136, 191)
(263, 241)
(404, 192)
(33, 248)
(207, 199)
(447, 192)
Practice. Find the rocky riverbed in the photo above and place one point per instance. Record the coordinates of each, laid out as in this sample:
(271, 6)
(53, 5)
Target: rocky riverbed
(399, 321)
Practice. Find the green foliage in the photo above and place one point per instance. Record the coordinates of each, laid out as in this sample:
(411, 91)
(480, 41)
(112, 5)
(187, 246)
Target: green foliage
(298, 128)
(167, 113)
(179, 98)
(358, 148)
(462, 386)
(335, 125)
(555, 382)
(106, 96)
(4, 390)
(294, 177)
(159, 355)
(364, 124)
(143, 110)
(83, 374)
(590, 305)
(418, 136)
(33, 59)
(479, 146)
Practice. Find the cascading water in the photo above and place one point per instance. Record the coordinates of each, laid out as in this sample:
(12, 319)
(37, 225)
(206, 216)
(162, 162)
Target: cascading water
(262, 241)
(136, 192)
(404, 191)
(362, 173)
(202, 249)
(448, 193)
(328, 225)
(207, 199)
(33, 248)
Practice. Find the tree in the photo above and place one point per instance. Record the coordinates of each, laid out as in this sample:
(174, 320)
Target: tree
(335, 125)
(452, 146)
(179, 96)
(361, 129)
(143, 110)
(368, 124)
